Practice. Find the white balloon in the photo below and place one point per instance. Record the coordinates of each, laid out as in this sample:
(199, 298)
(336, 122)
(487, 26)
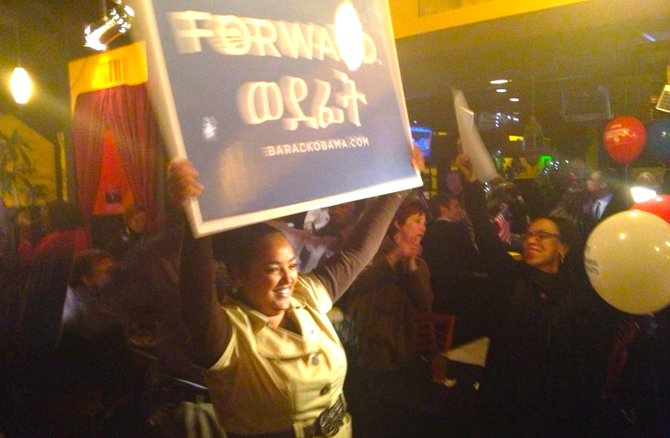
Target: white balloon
(627, 259)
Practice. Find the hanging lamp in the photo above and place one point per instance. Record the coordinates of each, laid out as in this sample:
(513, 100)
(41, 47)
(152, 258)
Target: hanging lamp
(20, 83)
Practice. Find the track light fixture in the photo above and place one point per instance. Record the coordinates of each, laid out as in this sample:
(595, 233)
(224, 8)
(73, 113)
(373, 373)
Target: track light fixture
(21, 85)
(116, 21)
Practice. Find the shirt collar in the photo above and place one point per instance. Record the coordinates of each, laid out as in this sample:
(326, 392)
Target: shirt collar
(257, 319)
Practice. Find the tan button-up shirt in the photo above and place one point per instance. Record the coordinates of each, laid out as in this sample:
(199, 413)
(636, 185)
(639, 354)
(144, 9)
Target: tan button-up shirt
(273, 380)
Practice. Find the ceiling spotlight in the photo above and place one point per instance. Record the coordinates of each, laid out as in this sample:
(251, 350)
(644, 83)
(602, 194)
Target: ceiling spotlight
(501, 90)
(513, 99)
(115, 23)
(499, 81)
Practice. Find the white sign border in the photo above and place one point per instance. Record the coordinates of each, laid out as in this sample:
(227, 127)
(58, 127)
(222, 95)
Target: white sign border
(164, 105)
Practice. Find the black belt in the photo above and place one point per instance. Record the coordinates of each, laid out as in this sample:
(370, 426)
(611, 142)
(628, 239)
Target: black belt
(327, 424)
(329, 421)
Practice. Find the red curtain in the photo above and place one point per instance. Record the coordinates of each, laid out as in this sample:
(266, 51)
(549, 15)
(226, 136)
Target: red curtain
(126, 111)
(87, 129)
(114, 193)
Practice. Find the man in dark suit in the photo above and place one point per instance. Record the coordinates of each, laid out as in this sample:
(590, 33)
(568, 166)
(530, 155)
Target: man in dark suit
(449, 250)
(605, 198)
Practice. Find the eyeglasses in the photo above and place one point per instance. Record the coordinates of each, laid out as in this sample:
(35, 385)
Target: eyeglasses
(540, 235)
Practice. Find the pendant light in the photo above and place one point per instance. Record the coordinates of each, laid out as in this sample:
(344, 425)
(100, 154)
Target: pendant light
(20, 83)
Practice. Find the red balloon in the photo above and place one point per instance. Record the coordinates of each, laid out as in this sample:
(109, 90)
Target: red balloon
(624, 139)
(660, 206)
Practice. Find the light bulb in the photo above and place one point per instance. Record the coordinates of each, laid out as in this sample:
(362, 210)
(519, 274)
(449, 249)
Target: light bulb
(21, 85)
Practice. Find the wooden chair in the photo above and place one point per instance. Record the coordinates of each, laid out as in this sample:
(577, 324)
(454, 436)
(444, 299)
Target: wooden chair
(435, 333)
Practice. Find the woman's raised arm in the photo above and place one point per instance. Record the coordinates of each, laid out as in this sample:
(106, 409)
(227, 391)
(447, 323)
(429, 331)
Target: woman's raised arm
(208, 326)
(339, 271)
(497, 261)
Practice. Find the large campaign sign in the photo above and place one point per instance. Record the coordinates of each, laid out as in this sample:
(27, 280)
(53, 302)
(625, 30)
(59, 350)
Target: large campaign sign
(282, 105)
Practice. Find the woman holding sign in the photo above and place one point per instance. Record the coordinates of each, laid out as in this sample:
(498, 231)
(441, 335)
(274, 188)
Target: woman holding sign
(546, 364)
(274, 365)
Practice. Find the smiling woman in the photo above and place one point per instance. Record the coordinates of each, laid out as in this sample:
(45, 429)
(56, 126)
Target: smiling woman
(543, 247)
(269, 347)
(265, 274)
(547, 359)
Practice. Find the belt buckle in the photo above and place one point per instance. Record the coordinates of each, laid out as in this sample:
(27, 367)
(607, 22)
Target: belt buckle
(330, 420)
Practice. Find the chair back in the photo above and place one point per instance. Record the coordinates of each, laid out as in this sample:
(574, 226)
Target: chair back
(435, 332)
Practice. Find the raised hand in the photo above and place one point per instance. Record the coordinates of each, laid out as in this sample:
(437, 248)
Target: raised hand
(407, 248)
(182, 182)
(418, 161)
(465, 167)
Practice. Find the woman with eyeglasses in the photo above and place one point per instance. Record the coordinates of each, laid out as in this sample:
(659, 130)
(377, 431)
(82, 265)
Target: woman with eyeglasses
(551, 335)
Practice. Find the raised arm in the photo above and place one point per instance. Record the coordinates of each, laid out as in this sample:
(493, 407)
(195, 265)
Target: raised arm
(208, 326)
(339, 271)
(495, 258)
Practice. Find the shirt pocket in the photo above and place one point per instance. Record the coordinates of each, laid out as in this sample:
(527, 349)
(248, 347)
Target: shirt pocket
(310, 398)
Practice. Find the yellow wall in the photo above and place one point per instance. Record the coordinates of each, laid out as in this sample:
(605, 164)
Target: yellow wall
(41, 154)
(406, 20)
(126, 65)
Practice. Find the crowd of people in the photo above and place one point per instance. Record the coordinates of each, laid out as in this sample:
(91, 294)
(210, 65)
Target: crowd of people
(307, 326)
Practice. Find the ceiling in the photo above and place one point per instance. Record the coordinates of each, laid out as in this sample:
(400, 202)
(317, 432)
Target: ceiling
(569, 50)
(50, 35)
(581, 53)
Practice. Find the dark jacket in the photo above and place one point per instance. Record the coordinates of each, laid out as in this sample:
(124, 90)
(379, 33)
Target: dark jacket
(619, 202)
(451, 255)
(381, 303)
(548, 353)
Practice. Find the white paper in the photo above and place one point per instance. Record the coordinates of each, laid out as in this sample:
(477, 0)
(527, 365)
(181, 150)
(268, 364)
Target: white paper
(473, 146)
(472, 353)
